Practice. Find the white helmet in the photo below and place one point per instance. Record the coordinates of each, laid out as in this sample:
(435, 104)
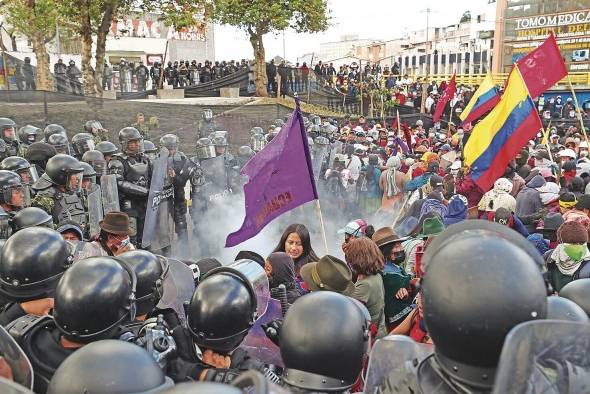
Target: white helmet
(583, 144)
(567, 153)
(456, 165)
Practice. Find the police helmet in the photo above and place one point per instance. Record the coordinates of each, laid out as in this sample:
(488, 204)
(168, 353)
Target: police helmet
(59, 142)
(205, 148)
(151, 271)
(323, 341)
(561, 308)
(169, 141)
(6, 123)
(128, 134)
(40, 152)
(109, 367)
(93, 298)
(82, 143)
(578, 291)
(18, 165)
(96, 159)
(54, 129)
(245, 152)
(222, 310)
(9, 182)
(88, 172)
(92, 125)
(60, 167)
(29, 134)
(32, 261)
(219, 141)
(31, 217)
(107, 148)
(502, 285)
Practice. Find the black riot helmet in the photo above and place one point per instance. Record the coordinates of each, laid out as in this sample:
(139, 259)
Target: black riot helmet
(7, 129)
(205, 148)
(93, 298)
(82, 143)
(107, 148)
(323, 341)
(19, 165)
(29, 134)
(11, 189)
(501, 286)
(31, 217)
(39, 152)
(128, 134)
(54, 129)
(561, 308)
(32, 261)
(61, 168)
(219, 141)
(88, 173)
(96, 159)
(150, 270)
(59, 142)
(222, 310)
(245, 152)
(93, 126)
(578, 291)
(169, 141)
(150, 150)
(89, 369)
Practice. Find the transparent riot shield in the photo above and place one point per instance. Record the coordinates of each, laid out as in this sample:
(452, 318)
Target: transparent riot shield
(319, 151)
(10, 387)
(110, 193)
(394, 360)
(216, 186)
(158, 215)
(95, 215)
(22, 372)
(257, 276)
(545, 356)
(335, 148)
(256, 342)
(179, 286)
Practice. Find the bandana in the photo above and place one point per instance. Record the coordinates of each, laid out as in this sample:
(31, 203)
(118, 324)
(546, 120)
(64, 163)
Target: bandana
(567, 204)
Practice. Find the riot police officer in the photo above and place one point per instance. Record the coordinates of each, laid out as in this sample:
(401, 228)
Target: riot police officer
(88, 179)
(74, 74)
(12, 198)
(133, 171)
(26, 136)
(171, 75)
(29, 272)
(245, 153)
(38, 154)
(82, 143)
(31, 217)
(150, 150)
(178, 162)
(324, 340)
(142, 73)
(127, 367)
(98, 132)
(58, 190)
(151, 271)
(207, 124)
(220, 314)
(8, 140)
(96, 159)
(92, 300)
(469, 327)
(51, 129)
(60, 143)
(155, 74)
(21, 166)
(108, 149)
(125, 76)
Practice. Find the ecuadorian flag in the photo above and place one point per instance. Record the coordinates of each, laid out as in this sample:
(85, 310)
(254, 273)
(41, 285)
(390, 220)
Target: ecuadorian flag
(484, 99)
(497, 139)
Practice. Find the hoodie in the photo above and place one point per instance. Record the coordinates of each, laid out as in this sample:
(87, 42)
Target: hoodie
(457, 211)
(529, 203)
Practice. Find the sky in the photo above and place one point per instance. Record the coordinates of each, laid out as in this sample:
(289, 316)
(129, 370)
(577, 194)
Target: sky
(374, 19)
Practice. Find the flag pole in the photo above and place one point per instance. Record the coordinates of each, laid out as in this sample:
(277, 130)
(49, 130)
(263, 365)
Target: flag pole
(569, 80)
(318, 209)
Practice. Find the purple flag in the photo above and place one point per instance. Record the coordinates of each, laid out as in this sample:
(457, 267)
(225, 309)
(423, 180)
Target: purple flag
(280, 179)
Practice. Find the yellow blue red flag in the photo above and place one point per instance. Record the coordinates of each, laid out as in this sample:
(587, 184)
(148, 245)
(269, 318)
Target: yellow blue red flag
(483, 100)
(497, 138)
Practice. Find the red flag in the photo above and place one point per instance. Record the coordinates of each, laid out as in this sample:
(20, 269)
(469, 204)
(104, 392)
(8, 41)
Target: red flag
(543, 67)
(447, 96)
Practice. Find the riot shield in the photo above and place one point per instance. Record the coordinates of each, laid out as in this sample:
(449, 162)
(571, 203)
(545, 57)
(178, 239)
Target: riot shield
(215, 188)
(22, 371)
(157, 233)
(545, 356)
(94, 199)
(10, 387)
(110, 193)
(334, 149)
(179, 286)
(257, 277)
(319, 151)
(256, 342)
(394, 360)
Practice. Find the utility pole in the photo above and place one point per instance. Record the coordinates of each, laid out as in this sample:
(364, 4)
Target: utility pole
(427, 45)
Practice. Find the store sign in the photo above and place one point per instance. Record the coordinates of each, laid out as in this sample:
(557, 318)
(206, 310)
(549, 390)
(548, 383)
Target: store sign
(140, 28)
(553, 20)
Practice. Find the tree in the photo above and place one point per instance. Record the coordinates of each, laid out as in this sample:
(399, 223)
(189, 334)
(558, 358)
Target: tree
(36, 20)
(260, 17)
(466, 17)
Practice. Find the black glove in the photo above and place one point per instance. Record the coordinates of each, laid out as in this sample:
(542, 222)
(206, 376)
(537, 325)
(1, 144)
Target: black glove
(185, 347)
(272, 330)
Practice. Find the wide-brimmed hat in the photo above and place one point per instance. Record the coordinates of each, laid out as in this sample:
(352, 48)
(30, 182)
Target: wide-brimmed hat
(385, 236)
(431, 226)
(329, 273)
(116, 223)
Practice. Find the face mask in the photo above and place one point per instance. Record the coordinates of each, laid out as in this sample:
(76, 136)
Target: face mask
(575, 251)
(399, 257)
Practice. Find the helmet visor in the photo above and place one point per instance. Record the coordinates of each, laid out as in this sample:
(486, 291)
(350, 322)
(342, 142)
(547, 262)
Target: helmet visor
(74, 183)
(135, 146)
(9, 133)
(28, 176)
(15, 196)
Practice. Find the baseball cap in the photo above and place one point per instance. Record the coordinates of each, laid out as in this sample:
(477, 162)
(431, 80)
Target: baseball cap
(356, 228)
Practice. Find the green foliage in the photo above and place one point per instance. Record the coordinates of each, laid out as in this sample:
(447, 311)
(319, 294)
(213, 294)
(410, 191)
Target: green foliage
(32, 18)
(466, 17)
